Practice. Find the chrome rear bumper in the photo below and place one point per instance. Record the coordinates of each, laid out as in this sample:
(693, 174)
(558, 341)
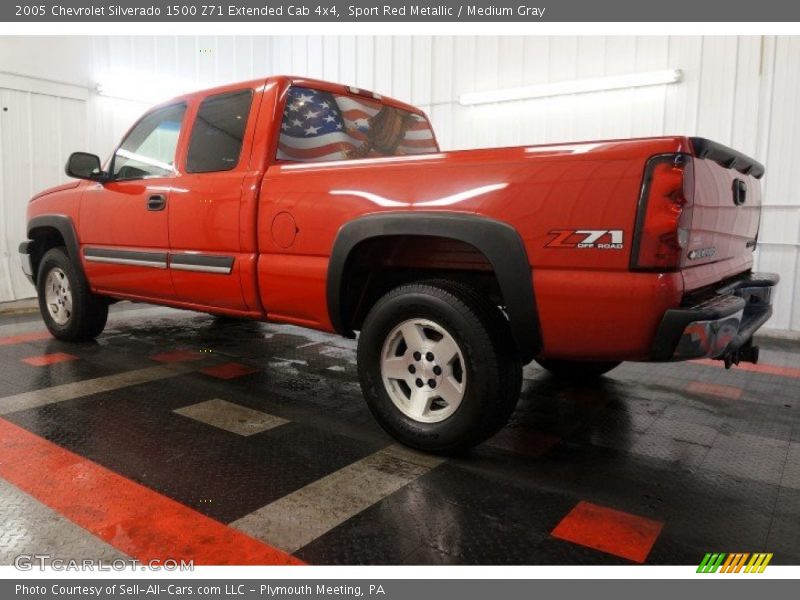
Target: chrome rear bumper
(719, 327)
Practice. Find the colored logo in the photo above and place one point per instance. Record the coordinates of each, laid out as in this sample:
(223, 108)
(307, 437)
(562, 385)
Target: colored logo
(601, 239)
(735, 562)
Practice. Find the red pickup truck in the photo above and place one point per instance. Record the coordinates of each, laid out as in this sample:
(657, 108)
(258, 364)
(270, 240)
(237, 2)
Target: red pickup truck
(300, 201)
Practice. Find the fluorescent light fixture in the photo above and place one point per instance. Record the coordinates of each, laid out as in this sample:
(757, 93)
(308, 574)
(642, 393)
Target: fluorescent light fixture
(574, 86)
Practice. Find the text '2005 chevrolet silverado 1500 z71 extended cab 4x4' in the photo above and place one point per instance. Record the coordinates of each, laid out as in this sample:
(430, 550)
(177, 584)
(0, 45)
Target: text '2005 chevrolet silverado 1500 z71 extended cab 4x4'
(305, 202)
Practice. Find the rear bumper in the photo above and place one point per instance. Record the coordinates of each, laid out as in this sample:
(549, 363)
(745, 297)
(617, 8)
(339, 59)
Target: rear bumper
(25, 258)
(719, 326)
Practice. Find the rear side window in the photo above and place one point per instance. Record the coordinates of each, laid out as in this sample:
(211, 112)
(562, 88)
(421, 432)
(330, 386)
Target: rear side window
(149, 149)
(320, 126)
(218, 132)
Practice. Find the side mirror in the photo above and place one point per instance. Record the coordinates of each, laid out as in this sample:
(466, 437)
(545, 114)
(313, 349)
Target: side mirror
(83, 165)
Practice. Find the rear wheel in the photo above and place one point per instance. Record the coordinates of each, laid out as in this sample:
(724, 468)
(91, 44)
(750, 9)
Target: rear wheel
(438, 366)
(578, 369)
(69, 309)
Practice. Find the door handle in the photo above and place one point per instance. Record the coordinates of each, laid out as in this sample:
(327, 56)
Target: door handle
(157, 202)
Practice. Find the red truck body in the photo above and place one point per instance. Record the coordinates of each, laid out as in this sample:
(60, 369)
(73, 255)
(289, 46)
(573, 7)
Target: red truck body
(591, 217)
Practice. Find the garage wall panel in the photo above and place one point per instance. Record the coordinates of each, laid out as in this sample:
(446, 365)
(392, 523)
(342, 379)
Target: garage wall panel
(330, 58)
(307, 56)
(36, 131)
(225, 58)
(400, 67)
(165, 55)
(681, 101)
(347, 60)
(281, 50)
(365, 62)
(781, 233)
(421, 70)
(187, 55)
(16, 137)
(442, 70)
(261, 60)
(244, 55)
(45, 117)
(747, 95)
(717, 85)
(65, 60)
(382, 68)
(206, 60)
(737, 90)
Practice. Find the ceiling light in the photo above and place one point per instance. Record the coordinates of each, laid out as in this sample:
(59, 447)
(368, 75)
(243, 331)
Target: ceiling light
(575, 86)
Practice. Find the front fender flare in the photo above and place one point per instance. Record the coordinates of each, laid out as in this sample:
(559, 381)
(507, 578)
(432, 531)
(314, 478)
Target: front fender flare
(63, 224)
(499, 242)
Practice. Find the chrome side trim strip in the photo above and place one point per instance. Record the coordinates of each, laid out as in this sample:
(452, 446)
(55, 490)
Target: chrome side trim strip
(199, 263)
(200, 268)
(127, 261)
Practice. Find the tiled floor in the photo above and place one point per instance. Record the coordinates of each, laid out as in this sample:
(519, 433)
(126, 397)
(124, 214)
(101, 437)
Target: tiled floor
(255, 432)
(230, 416)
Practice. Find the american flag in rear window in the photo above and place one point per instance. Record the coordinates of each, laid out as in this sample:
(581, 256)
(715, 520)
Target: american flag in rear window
(320, 126)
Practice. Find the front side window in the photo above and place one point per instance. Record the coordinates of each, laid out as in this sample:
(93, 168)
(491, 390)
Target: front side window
(218, 132)
(319, 126)
(149, 149)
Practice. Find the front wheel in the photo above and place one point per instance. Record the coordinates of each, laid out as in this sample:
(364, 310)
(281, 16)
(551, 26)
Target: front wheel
(438, 366)
(69, 309)
(580, 370)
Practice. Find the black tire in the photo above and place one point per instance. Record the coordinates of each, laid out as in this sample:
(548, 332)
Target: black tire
(492, 369)
(89, 313)
(578, 370)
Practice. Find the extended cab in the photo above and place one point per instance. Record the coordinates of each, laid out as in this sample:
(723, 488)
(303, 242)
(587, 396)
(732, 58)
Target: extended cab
(299, 201)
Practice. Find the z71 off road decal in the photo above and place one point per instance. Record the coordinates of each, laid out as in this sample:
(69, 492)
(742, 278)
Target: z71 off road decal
(600, 239)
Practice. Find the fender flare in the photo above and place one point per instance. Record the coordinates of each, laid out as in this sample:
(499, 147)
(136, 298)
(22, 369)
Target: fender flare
(498, 241)
(64, 225)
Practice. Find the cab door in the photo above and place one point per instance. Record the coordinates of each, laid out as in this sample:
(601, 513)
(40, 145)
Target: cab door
(210, 265)
(124, 223)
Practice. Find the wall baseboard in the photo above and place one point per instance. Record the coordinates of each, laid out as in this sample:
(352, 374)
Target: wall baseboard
(19, 307)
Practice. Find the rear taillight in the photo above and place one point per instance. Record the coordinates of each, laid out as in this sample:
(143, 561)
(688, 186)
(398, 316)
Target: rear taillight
(664, 215)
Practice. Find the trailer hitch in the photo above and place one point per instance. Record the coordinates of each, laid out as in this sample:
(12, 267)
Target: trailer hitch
(747, 353)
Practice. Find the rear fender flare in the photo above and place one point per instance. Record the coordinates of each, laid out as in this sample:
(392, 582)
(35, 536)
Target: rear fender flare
(500, 243)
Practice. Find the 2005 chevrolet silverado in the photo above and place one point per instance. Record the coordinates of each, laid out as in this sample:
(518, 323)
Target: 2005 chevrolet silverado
(299, 201)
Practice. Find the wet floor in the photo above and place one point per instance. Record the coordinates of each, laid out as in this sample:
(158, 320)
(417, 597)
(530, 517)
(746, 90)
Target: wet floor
(260, 431)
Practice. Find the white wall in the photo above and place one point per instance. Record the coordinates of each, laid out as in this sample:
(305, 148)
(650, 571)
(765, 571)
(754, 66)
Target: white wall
(739, 91)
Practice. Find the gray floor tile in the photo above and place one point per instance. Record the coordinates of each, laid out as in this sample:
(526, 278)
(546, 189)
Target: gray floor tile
(231, 417)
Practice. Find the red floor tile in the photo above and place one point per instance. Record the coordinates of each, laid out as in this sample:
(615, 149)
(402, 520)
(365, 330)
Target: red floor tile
(24, 337)
(134, 519)
(608, 530)
(49, 359)
(174, 356)
(758, 368)
(229, 371)
(714, 389)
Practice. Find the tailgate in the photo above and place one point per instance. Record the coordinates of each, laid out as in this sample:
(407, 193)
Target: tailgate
(726, 211)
